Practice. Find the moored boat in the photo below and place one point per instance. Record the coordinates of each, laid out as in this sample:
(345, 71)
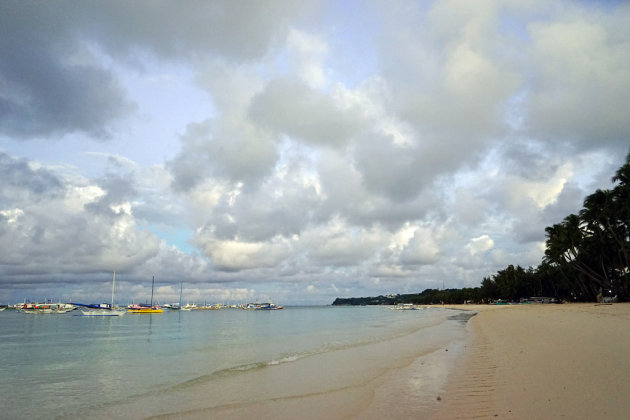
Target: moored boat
(102, 309)
(103, 312)
(405, 307)
(144, 309)
(269, 306)
(45, 308)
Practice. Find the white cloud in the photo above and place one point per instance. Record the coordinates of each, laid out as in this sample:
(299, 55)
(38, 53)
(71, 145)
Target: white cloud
(582, 59)
(423, 248)
(235, 255)
(310, 51)
(480, 245)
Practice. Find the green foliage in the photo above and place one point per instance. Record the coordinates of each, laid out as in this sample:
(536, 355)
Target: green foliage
(591, 249)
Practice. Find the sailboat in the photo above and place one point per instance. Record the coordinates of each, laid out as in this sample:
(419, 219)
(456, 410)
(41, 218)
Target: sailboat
(102, 309)
(146, 309)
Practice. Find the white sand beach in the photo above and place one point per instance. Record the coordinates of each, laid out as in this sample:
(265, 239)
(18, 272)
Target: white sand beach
(543, 361)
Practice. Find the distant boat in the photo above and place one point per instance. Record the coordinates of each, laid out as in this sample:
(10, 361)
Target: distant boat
(102, 309)
(45, 308)
(145, 310)
(405, 307)
(263, 306)
(176, 306)
(189, 307)
(141, 309)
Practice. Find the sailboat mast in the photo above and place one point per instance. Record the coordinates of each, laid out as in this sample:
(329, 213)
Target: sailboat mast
(113, 284)
(152, 283)
(181, 287)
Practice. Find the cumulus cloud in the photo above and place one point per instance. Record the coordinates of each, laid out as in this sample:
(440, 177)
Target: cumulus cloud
(580, 80)
(234, 255)
(423, 248)
(292, 108)
(74, 227)
(480, 244)
(52, 83)
(236, 150)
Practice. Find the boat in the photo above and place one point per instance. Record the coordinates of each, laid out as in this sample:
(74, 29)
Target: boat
(214, 307)
(102, 309)
(175, 306)
(405, 307)
(45, 308)
(263, 306)
(189, 307)
(143, 309)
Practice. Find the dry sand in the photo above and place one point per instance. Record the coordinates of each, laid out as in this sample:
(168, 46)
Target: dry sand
(568, 361)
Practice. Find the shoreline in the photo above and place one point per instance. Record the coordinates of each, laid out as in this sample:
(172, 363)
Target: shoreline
(352, 381)
(542, 361)
(507, 361)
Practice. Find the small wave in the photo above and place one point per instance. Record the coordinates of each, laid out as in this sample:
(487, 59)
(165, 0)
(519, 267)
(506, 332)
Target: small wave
(244, 368)
(287, 359)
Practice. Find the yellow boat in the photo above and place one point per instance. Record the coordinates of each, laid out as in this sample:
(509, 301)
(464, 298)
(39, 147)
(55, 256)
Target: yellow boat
(145, 311)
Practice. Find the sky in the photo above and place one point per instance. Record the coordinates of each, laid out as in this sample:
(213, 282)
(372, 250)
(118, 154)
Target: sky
(298, 151)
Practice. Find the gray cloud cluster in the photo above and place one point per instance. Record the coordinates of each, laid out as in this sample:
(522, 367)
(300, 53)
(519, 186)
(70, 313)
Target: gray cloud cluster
(54, 81)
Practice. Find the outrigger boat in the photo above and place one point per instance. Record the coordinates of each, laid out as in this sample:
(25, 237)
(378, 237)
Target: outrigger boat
(45, 308)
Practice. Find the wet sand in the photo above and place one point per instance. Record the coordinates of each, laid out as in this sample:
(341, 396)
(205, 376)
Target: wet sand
(542, 361)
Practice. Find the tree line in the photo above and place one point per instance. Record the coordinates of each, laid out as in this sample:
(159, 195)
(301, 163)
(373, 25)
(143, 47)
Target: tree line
(587, 255)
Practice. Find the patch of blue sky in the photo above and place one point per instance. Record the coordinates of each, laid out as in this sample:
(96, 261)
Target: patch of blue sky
(167, 102)
(608, 6)
(174, 236)
(515, 111)
(353, 41)
(511, 25)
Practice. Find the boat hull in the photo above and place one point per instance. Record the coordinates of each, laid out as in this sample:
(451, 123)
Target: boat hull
(45, 308)
(145, 311)
(102, 312)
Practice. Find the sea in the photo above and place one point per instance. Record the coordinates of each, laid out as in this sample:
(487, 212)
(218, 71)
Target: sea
(307, 362)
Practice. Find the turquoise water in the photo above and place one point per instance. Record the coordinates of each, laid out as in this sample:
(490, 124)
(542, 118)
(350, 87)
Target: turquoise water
(144, 365)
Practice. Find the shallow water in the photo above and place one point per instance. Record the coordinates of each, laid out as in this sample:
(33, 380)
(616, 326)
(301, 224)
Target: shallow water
(202, 364)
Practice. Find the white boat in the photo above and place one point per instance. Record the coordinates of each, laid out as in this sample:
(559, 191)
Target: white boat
(405, 307)
(189, 307)
(103, 309)
(102, 312)
(269, 306)
(45, 308)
